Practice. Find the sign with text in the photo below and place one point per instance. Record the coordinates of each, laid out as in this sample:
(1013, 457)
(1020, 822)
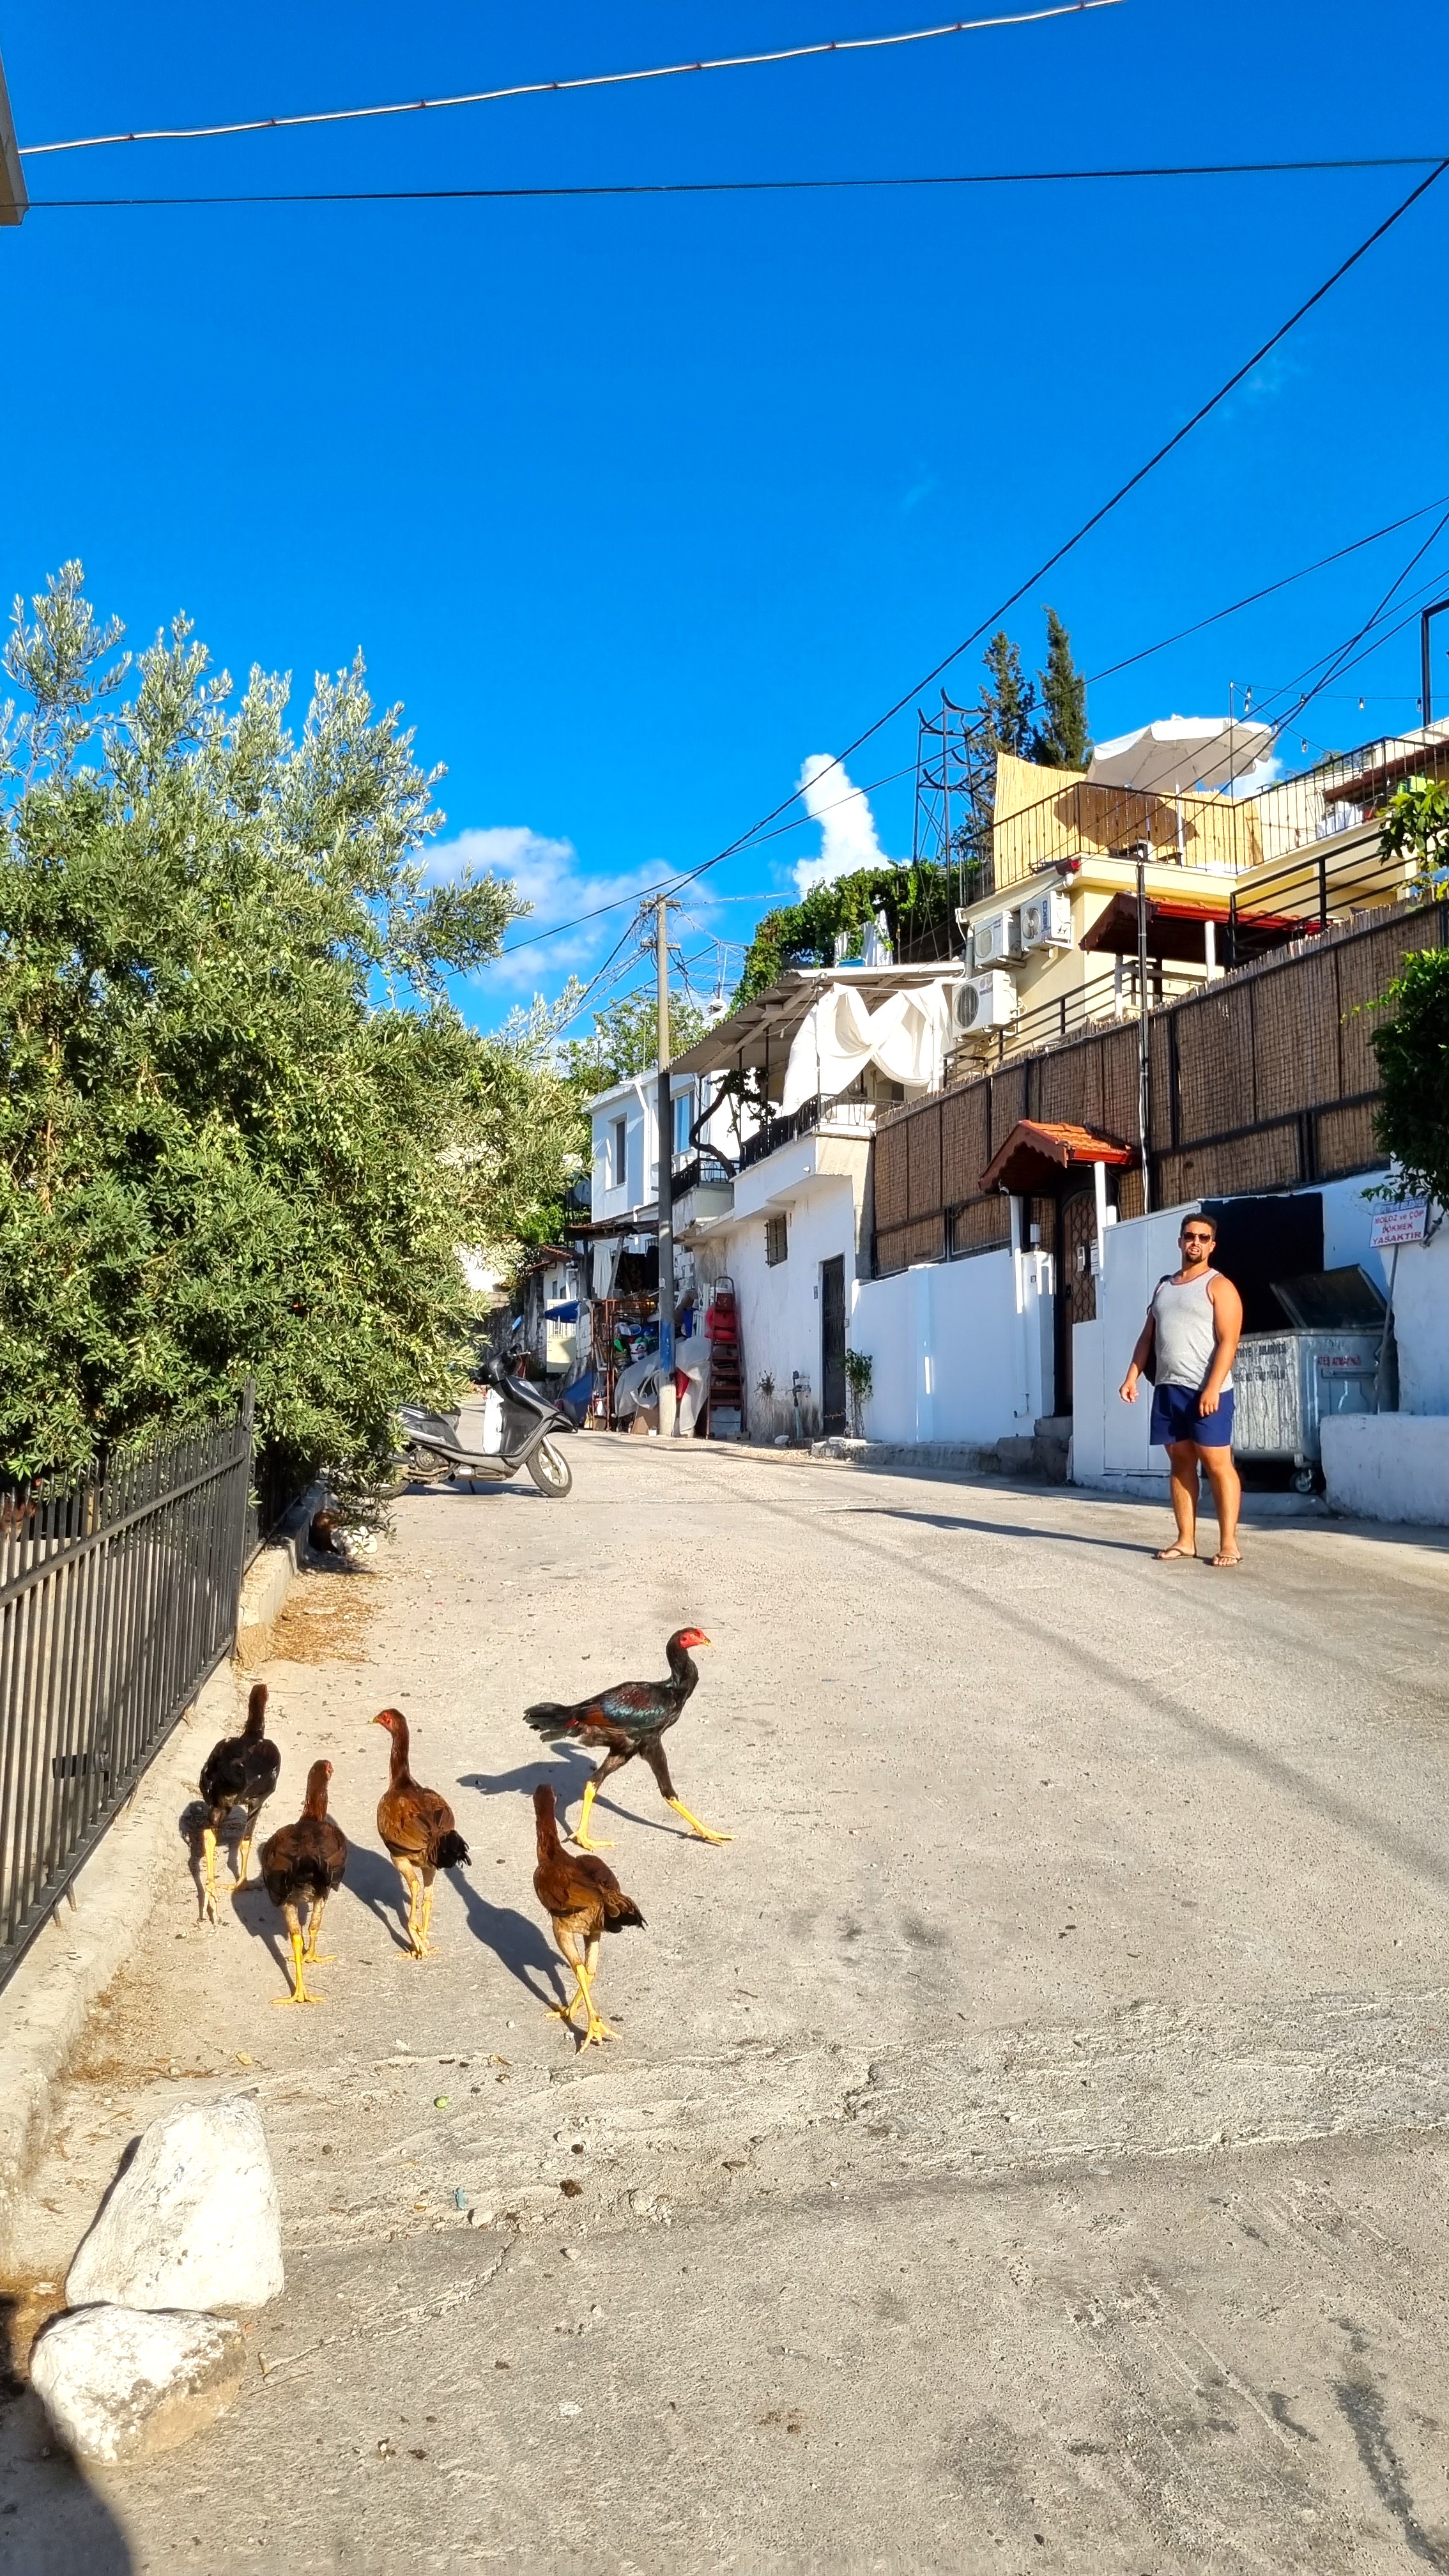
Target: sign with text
(1406, 1223)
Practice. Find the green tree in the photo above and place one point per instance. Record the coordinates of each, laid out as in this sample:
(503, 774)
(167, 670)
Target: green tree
(1061, 740)
(243, 1127)
(1412, 1047)
(1007, 699)
(915, 902)
(624, 1039)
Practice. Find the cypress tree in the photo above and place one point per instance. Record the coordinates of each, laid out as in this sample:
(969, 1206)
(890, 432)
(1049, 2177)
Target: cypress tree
(1007, 699)
(1061, 740)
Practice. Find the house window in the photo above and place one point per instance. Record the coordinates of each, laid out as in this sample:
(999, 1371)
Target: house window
(777, 1242)
(683, 1121)
(619, 1153)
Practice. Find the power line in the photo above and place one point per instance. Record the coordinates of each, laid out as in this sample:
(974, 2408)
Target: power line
(747, 187)
(1254, 596)
(590, 80)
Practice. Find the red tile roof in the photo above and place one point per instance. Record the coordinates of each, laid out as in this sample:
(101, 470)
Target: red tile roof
(1035, 1155)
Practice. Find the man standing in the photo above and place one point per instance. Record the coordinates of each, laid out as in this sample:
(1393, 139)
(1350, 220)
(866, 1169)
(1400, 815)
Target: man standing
(1188, 1343)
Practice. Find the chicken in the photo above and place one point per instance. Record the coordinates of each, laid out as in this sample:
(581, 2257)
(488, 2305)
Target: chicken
(302, 1864)
(241, 1771)
(583, 1900)
(417, 1827)
(629, 1718)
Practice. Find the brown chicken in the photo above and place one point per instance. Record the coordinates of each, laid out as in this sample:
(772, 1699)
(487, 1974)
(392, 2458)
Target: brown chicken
(417, 1826)
(302, 1864)
(583, 1900)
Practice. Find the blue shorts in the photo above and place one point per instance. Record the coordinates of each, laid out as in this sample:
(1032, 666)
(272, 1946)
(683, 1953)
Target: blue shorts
(1175, 1417)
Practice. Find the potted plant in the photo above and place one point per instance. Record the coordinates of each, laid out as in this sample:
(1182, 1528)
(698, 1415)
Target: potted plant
(858, 1379)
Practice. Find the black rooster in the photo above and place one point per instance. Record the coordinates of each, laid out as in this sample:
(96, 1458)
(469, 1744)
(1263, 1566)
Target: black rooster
(241, 1771)
(302, 1864)
(630, 1718)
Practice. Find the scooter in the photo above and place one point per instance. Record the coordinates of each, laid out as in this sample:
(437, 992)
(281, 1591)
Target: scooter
(518, 1428)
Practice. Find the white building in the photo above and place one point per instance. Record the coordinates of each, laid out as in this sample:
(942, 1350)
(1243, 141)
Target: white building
(821, 1050)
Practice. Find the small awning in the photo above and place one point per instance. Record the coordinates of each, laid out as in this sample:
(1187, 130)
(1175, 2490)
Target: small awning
(1174, 930)
(1034, 1157)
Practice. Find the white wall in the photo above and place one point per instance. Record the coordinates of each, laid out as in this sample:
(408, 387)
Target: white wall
(960, 1350)
(1388, 1466)
(1421, 1324)
(1109, 1437)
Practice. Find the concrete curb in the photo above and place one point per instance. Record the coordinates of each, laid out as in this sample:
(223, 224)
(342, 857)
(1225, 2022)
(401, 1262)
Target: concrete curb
(45, 2006)
(270, 1576)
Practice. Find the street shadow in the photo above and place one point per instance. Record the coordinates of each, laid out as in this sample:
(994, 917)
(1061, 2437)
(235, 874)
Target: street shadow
(987, 1529)
(51, 2519)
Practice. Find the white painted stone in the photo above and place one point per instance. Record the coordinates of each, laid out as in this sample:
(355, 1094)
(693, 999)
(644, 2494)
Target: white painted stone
(125, 2383)
(193, 2221)
(1388, 1466)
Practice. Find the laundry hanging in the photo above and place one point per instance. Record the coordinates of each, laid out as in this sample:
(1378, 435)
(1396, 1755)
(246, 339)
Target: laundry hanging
(905, 1038)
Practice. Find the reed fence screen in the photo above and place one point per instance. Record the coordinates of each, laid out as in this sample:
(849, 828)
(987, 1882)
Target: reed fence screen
(1263, 1079)
(118, 1596)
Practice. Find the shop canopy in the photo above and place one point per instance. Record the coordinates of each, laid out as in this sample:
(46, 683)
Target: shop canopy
(1035, 1158)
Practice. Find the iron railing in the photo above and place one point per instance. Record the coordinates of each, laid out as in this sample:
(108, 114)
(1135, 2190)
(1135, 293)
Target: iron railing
(118, 1595)
(857, 1117)
(1327, 881)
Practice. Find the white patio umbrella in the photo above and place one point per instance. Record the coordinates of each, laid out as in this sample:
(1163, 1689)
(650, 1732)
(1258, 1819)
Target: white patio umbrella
(1179, 753)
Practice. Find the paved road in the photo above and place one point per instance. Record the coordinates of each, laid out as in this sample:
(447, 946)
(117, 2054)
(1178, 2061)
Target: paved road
(1026, 2143)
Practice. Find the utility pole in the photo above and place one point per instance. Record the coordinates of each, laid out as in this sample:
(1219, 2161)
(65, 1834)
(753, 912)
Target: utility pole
(666, 1177)
(13, 199)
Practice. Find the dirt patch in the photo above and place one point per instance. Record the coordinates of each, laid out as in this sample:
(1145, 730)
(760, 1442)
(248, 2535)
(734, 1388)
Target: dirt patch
(324, 1620)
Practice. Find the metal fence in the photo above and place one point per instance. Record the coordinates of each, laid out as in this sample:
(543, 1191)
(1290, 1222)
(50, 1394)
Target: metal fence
(118, 1595)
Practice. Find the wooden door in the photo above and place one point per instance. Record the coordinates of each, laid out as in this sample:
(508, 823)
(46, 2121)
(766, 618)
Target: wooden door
(832, 1345)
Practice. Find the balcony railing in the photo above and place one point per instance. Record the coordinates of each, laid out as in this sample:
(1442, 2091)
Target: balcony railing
(850, 1117)
(1230, 833)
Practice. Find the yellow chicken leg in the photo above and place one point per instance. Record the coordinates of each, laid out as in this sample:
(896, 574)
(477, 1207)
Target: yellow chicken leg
(243, 1857)
(598, 2028)
(299, 1994)
(209, 1913)
(581, 1837)
(705, 1832)
(328, 1958)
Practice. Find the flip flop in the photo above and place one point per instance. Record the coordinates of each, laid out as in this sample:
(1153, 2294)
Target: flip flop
(1174, 1556)
(1224, 1561)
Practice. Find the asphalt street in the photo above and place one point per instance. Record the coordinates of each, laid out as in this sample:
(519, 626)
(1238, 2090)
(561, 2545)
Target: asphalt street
(1025, 2142)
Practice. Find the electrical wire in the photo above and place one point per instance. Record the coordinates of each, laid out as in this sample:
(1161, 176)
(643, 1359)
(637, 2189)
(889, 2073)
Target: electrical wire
(746, 187)
(589, 80)
(1267, 592)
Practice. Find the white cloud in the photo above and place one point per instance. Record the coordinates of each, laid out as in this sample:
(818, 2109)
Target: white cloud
(548, 875)
(847, 827)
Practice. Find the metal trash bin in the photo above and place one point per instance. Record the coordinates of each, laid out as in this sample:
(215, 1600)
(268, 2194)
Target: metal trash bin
(1284, 1383)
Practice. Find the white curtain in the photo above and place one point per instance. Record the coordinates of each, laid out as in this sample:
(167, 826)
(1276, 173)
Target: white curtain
(905, 1037)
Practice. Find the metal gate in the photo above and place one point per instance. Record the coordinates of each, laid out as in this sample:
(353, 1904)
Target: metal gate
(1076, 1301)
(118, 1595)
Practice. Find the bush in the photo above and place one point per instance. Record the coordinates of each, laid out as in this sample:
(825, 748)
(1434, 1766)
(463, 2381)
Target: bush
(1412, 1049)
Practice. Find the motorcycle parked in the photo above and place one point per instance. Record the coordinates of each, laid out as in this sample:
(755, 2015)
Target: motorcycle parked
(519, 1424)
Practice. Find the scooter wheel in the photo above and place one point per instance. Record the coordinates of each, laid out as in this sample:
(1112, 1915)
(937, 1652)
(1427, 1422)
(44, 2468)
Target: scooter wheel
(551, 1471)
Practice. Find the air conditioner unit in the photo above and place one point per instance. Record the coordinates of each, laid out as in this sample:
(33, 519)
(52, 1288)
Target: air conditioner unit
(994, 940)
(1046, 921)
(983, 1003)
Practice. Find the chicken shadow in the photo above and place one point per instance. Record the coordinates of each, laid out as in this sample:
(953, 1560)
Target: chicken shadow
(566, 1778)
(373, 1881)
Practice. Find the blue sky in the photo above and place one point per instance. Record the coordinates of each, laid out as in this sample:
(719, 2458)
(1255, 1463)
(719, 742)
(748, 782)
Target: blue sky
(638, 505)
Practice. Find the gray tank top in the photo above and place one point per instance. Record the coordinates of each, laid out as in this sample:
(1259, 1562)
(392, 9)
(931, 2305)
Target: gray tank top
(1186, 1332)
